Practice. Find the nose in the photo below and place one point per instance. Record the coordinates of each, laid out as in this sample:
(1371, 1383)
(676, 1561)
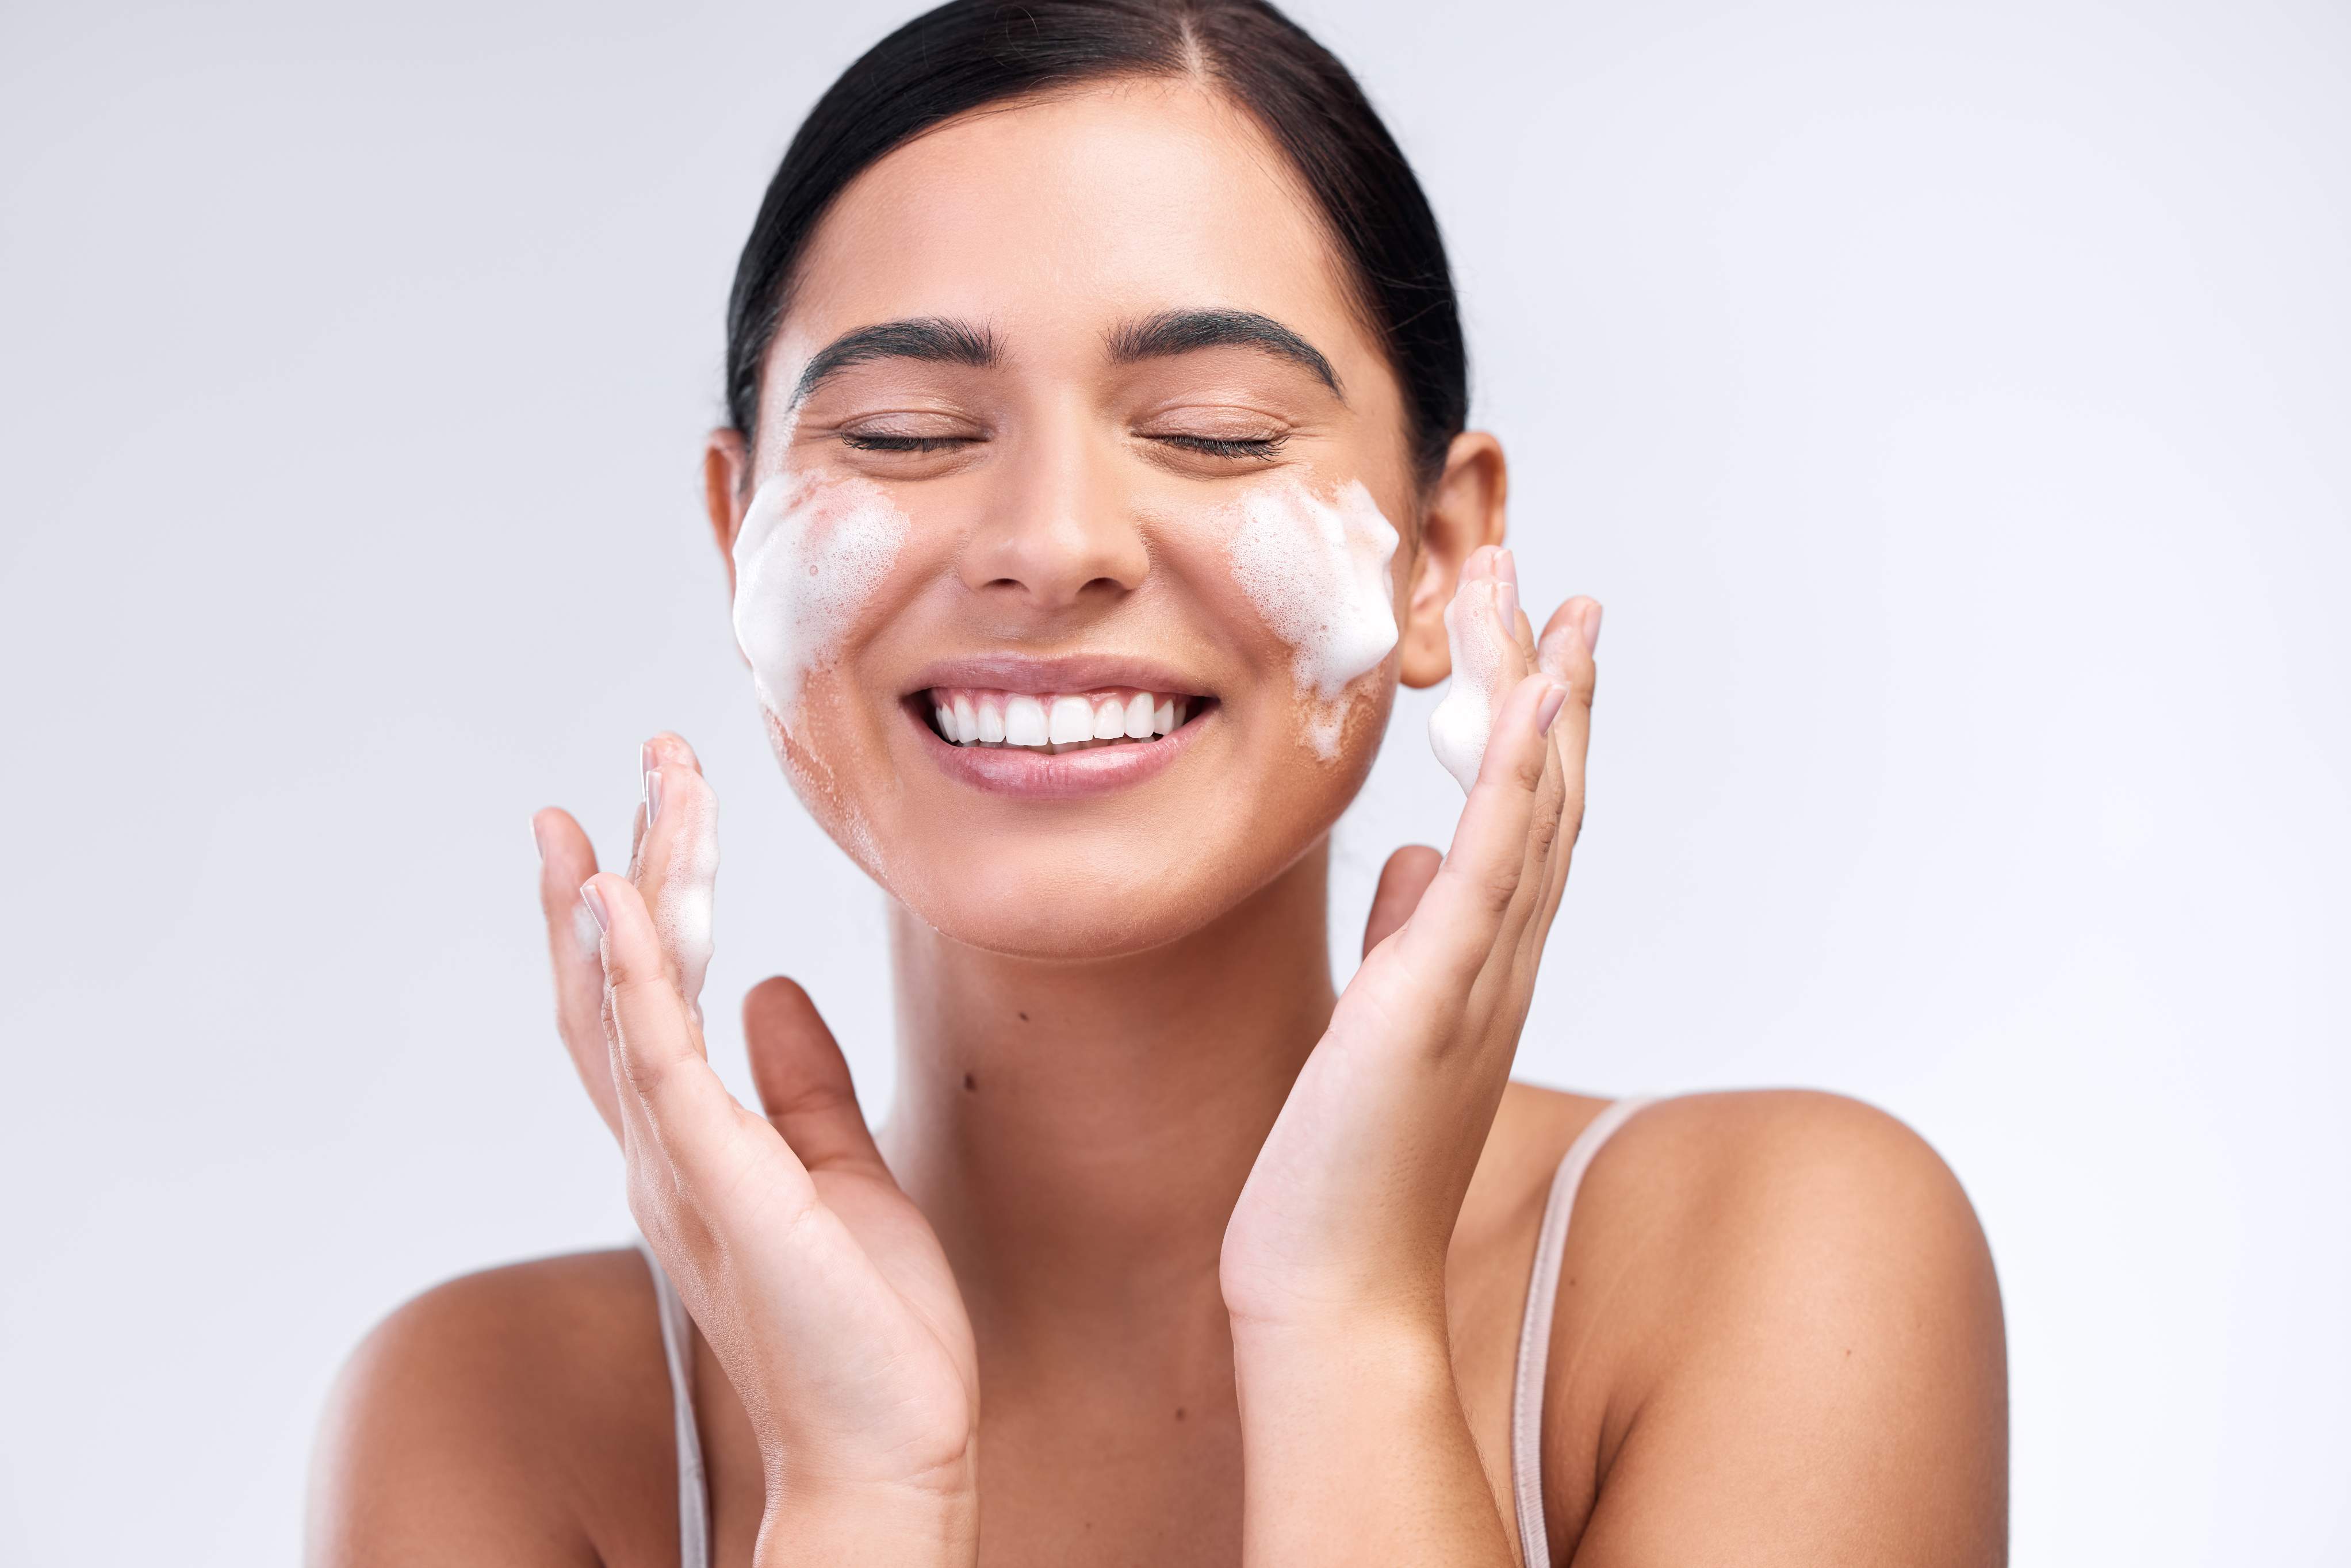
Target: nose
(1055, 535)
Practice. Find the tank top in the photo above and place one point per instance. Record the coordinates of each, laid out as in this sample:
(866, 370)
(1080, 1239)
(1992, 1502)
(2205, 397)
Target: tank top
(1526, 1388)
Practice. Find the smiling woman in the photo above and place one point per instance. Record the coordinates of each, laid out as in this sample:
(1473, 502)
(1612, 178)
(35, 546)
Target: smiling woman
(1096, 469)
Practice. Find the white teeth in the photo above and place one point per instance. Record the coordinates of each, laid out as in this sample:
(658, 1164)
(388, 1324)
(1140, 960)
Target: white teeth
(1072, 720)
(1054, 722)
(1024, 721)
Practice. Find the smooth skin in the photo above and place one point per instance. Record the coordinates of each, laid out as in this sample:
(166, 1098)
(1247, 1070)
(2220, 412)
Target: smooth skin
(1167, 1253)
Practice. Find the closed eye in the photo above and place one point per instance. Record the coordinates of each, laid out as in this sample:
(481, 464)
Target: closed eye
(1258, 446)
(858, 443)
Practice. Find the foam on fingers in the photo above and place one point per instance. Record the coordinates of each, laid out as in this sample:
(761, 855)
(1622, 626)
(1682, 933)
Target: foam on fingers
(683, 873)
(1461, 724)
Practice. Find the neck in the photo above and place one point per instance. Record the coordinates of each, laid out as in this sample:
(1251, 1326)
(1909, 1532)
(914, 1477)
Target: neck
(1077, 1132)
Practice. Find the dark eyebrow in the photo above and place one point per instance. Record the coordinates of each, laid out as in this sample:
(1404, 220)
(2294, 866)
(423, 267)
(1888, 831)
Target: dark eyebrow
(1181, 331)
(928, 338)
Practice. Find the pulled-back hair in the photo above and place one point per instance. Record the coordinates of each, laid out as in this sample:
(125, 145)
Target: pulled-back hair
(967, 54)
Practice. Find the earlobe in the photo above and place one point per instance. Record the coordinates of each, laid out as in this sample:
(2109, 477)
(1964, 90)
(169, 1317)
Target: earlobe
(1465, 510)
(723, 469)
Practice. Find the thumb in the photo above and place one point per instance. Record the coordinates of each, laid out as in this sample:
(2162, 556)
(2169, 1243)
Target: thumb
(1403, 880)
(803, 1080)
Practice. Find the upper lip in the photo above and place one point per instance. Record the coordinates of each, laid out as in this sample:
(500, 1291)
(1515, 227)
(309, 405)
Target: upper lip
(1039, 675)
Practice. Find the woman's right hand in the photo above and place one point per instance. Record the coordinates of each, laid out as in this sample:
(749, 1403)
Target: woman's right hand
(817, 1283)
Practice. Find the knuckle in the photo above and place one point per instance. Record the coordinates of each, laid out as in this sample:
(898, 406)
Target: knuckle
(1496, 886)
(1543, 834)
(644, 1075)
(1527, 770)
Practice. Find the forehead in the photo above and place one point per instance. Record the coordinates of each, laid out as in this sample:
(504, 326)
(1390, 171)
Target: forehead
(1052, 219)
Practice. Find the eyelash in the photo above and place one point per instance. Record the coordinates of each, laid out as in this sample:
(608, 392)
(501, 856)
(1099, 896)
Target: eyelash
(904, 443)
(1261, 446)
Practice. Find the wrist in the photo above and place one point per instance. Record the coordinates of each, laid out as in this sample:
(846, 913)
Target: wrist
(1353, 1439)
(1377, 1356)
(804, 1525)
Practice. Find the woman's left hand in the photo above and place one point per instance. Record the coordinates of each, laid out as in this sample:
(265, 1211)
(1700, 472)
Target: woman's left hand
(1349, 1210)
(1355, 1447)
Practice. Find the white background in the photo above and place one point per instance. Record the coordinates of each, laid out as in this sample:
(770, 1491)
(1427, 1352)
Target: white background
(1949, 402)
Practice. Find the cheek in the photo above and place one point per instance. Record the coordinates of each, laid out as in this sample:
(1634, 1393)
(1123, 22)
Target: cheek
(812, 563)
(1317, 571)
(810, 560)
(824, 725)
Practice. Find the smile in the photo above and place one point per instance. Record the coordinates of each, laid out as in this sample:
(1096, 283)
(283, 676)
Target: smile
(1053, 723)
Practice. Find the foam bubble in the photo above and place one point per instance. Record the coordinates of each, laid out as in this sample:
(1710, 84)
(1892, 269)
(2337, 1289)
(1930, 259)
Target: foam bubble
(1460, 726)
(811, 552)
(1318, 572)
(688, 884)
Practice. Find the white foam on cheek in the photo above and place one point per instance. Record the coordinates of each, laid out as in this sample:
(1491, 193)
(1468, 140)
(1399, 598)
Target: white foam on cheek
(1318, 572)
(1461, 725)
(810, 553)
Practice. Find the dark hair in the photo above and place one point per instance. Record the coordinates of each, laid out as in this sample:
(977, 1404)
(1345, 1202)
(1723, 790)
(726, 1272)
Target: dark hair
(971, 53)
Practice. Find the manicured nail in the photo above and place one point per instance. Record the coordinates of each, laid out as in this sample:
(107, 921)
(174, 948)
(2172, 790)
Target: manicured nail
(1592, 628)
(536, 841)
(653, 798)
(1506, 566)
(644, 758)
(1506, 608)
(1548, 709)
(595, 903)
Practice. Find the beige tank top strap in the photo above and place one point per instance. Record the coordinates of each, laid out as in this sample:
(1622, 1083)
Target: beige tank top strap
(1534, 1329)
(693, 1486)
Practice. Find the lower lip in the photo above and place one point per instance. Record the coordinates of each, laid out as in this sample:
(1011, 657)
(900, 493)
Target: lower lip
(1071, 775)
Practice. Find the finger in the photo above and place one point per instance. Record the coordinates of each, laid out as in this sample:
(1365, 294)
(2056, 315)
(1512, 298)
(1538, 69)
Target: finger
(667, 749)
(676, 865)
(566, 858)
(1481, 634)
(1454, 930)
(1566, 655)
(1401, 882)
(1514, 615)
(673, 1106)
(803, 1080)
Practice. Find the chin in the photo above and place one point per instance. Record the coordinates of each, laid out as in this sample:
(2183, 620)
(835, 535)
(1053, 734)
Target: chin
(1057, 905)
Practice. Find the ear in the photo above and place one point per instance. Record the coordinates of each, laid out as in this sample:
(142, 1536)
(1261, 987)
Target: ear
(724, 468)
(1465, 511)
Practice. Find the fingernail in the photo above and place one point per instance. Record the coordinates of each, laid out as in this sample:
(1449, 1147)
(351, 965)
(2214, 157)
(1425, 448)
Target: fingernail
(644, 758)
(1592, 628)
(595, 903)
(536, 841)
(1548, 709)
(1506, 608)
(1506, 566)
(653, 797)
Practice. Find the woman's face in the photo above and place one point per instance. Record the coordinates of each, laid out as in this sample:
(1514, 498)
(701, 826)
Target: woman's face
(1079, 532)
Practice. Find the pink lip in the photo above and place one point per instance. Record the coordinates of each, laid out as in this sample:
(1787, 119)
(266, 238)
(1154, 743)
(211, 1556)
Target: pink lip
(1062, 672)
(1071, 776)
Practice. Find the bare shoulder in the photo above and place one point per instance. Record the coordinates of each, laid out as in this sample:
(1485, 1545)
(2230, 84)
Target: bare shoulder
(516, 1415)
(1779, 1321)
